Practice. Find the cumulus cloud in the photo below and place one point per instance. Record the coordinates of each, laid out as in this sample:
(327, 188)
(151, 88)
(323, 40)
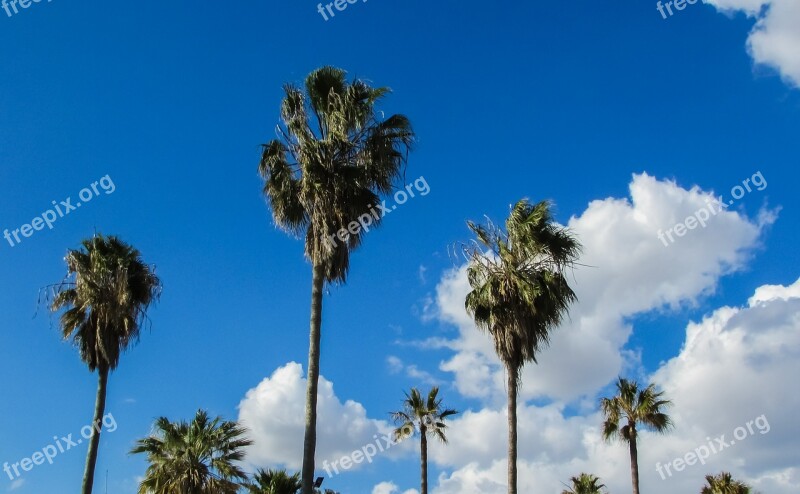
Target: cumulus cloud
(717, 381)
(732, 373)
(626, 271)
(775, 37)
(274, 412)
(391, 488)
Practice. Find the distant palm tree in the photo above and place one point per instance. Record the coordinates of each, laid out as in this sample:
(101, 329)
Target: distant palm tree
(193, 458)
(427, 416)
(630, 408)
(585, 484)
(724, 484)
(105, 299)
(274, 482)
(330, 165)
(520, 293)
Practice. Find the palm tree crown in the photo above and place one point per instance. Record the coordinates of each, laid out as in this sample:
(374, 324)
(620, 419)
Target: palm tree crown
(274, 482)
(519, 290)
(632, 407)
(107, 301)
(332, 161)
(193, 458)
(585, 483)
(724, 484)
(422, 414)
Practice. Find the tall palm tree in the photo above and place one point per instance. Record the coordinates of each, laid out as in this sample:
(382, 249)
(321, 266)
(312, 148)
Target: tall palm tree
(585, 483)
(104, 298)
(631, 408)
(197, 457)
(427, 416)
(520, 293)
(724, 484)
(274, 482)
(332, 161)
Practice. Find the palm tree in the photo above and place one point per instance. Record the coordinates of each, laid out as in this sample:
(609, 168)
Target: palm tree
(428, 417)
(636, 407)
(585, 483)
(274, 482)
(520, 293)
(105, 297)
(329, 166)
(193, 458)
(724, 484)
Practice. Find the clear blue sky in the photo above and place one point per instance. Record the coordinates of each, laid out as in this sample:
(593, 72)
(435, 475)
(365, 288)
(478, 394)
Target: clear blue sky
(544, 100)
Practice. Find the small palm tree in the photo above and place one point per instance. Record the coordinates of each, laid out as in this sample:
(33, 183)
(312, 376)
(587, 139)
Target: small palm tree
(104, 301)
(426, 416)
(329, 167)
(274, 482)
(585, 483)
(724, 484)
(520, 293)
(630, 408)
(197, 457)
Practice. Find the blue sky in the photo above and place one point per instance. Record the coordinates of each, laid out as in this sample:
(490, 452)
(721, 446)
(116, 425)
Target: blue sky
(608, 109)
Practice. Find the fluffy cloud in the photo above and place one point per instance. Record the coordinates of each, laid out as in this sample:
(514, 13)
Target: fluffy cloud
(390, 488)
(274, 412)
(626, 271)
(735, 367)
(775, 37)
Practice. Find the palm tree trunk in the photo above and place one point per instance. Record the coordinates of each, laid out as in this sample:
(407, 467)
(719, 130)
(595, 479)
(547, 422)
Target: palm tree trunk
(94, 442)
(634, 464)
(423, 446)
(310, 441)
(512, 431)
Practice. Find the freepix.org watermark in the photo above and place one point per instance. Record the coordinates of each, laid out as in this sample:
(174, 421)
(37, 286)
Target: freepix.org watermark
(365, 220)
(65, 207)
(9, 5)
(60, 445)
(339, 5)
(381, 445)
(703, 452)
(713, 207)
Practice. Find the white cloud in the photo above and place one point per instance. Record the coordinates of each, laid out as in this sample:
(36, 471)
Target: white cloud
(775, 37)
(274, 413)
(391, 488)
(396, 366)
(737, 364)
(626, 271)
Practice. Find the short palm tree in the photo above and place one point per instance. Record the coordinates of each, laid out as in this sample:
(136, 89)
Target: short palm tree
(274, 482)
(585, 483)
(197, 457)
(426, 416)
(332, 161)
(724, 484)
(104, 301)
(520, 293)
(630, 409)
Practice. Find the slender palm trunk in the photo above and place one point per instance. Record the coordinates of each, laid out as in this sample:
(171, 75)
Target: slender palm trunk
(423, 447)
(97, 424)
(310, 441)
(512, 431)
(634, 462)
